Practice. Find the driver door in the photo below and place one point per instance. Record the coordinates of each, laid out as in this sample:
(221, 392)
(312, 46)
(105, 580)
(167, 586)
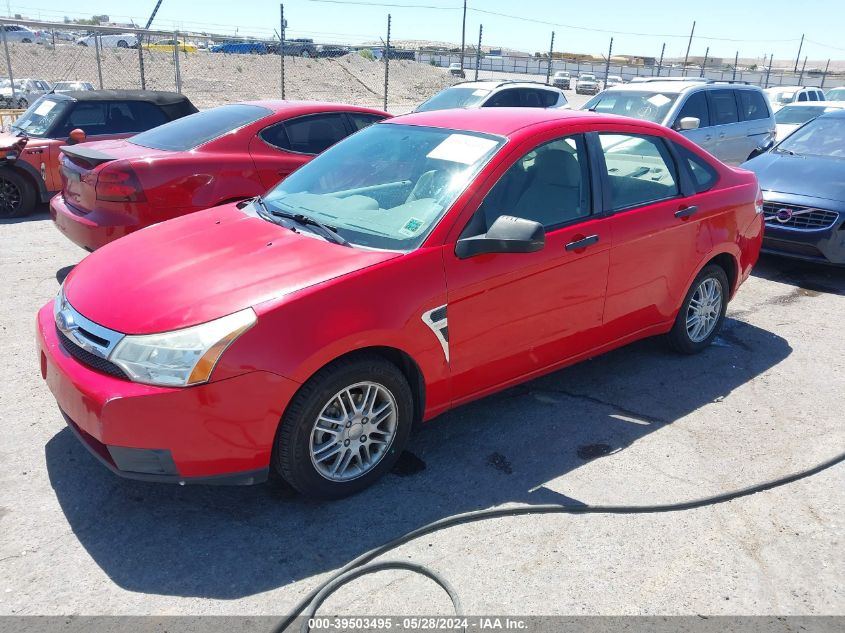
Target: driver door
(511, 315)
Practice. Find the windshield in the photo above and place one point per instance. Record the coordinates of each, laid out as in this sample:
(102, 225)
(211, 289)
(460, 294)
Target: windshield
(824, 136)
(454, 98)
(796, 115)
(587, 77)
(196, 129)
(837, 94)
(39, 118)
(388, 185)
(646, 105)
(782, 96)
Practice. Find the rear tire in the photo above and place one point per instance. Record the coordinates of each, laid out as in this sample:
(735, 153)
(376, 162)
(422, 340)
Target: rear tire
(122, 44)
(702, 313)
(17, 195)
(23, 104)
(345, 427)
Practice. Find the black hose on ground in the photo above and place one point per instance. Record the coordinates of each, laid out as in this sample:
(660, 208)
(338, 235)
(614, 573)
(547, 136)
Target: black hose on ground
(361, 566)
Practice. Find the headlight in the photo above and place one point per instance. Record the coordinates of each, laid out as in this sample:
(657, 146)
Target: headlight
(182, 357)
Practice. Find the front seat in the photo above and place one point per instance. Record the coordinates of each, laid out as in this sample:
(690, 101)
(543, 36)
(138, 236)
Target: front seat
(553, 197)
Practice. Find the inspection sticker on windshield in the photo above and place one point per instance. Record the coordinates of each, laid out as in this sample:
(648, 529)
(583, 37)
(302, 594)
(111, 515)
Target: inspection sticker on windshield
(462, 148)
(412, 227)
(659, 100)
(45, 107)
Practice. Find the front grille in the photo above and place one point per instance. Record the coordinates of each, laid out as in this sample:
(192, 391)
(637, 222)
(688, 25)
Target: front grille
(91, 360)
(798, 217)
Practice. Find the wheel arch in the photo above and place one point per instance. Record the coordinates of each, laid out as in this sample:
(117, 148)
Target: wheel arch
(727, 260)
(31, 175)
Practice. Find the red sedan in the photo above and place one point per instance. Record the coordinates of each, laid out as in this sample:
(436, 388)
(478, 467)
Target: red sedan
(111, 188)
(424, 262)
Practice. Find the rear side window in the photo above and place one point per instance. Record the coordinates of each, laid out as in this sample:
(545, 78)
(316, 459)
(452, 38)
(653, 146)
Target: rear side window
(753, 105)
(723, 110)
(504, 99)
(703, 175)
(194, 130)
(640, 170)
(144, 115)
(695, 106)
(813, 95)
(547, 98)
(360, 120)
(803, 97)
(309, 134)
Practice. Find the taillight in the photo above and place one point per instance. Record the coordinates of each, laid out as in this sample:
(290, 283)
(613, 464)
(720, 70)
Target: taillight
(119, 184)
(758, 204)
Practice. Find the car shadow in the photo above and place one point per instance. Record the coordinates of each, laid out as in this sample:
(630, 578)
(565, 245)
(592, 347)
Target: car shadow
(63, 272)
(42, 212)
(809, 278)
(227, 543)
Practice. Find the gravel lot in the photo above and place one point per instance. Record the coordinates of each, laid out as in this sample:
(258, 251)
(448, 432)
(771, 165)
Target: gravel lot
(764, 401)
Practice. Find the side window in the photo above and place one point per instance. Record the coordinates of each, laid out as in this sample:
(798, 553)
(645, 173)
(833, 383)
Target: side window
(803, 97)
(724, 109)
(90, 116)
(313, 134)
(703, 175)
(550, 185)
(360, 120)
(695, 106)
(531, 98)
(753, 105)
(504, 99)
(276, 136)
(548, 98)
(813, 95)
(640, 170)
(144, 115)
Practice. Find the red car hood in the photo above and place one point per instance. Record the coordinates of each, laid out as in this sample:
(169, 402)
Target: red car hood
(200, 267)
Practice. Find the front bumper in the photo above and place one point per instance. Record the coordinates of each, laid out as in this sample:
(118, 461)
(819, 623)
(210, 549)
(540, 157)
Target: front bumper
(219, 432)
(823, 246)
(90, 230)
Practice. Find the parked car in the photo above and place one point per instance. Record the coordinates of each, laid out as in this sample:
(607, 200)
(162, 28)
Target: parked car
(803, 182)
(789, 118)
(562, 80)
(835, 94)
(613, 80)
(29, 167)
(783, 95)
(645, 80)
(72, 86)
(331, 50)
(111, 40)
(300, 47)
(26, 91)
(232, 152)
(170, 45)
(496, 94)
(729, 120)
(65, 36)
(587, 84)
(240, 48)
(22, 34)
(424, 262)
(455, 70)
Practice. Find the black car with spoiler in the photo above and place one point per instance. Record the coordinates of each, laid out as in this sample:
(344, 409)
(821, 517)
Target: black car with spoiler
(29, 150)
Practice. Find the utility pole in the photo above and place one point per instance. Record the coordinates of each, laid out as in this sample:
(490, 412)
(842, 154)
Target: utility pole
(463, 35)
(824, 76)
(801, 76)
(660, 63)
(769, 68)
(736, 63)
(704, 65)
(607, 65)
(551, 52)
(689, 45)
(797, 57)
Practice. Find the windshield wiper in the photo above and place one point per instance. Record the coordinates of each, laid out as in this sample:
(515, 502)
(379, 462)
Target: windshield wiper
(782, 150)
(329, 232)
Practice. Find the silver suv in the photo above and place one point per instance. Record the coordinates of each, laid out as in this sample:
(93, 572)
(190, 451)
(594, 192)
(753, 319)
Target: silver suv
(496, 94)
(728, 119)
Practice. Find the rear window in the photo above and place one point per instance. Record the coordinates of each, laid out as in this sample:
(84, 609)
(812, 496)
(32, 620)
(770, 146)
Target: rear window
(200, 128)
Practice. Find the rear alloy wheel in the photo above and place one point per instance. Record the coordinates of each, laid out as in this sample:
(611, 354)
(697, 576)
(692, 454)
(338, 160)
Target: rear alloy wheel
(702, 313)
(345, 428)
(17, 197)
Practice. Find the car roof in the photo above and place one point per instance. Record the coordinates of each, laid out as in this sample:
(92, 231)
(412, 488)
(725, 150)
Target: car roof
(815, 104)
(505, 121)
(492, 84)
(306, 107)
(159, 97)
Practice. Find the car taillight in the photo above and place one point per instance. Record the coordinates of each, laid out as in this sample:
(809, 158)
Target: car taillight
(758, 204)
(119, 184)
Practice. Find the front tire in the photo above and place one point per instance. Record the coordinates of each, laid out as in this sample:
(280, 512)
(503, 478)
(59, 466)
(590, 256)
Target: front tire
(702, 313)
(122, 44)
(345, 428)
(17, 196)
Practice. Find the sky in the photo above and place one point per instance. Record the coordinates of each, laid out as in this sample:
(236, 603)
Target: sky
(754, 28)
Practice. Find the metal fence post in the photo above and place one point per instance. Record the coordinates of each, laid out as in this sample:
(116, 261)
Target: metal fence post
(607, 65)
(478, 51)
(769, 68)
(176, 58)
(736, 63)
(8, 60)
(97, 53)
(704, 64)
(824, 74)
(140, 39)
(660, 63)
(282, 48)
(551, 52)
(801, 76)
(386, 62)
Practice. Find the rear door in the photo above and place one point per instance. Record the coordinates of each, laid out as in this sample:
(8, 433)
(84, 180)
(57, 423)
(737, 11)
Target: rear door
(729, 137)
(757, 120)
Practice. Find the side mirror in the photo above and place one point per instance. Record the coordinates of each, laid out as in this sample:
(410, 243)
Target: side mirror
(688, 123)
(507, 235)
(762, 148)
(76, 136)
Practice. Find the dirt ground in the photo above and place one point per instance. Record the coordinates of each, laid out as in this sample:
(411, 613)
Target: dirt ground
(639, 425)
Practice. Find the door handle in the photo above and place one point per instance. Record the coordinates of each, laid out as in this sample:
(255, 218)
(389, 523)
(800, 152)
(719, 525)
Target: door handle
(685, 212)
(582, 243)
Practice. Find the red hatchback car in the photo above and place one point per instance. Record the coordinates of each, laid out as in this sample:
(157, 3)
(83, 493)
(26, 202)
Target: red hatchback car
(237, 151)
(424, 262)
